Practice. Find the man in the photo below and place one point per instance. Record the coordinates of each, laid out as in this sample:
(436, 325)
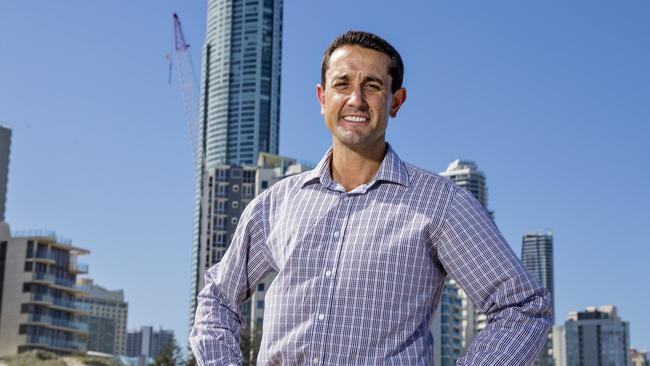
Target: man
(362, 244)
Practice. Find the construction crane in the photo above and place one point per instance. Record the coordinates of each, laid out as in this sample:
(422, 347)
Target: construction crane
(189, 90)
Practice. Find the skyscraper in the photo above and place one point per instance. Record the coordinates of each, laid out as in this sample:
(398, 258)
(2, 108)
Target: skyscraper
(465, 174)
(5, 143)
(537, 256)
(240, 81)
(239, 112)
(597, 337)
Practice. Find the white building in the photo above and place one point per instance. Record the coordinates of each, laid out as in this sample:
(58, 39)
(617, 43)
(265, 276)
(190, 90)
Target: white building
(559, 345)
(39, 296)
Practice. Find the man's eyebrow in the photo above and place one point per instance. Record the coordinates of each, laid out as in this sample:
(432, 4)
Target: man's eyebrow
(340, 77)
(373, 78)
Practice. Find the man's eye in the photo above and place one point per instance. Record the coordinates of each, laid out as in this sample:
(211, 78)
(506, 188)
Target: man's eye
(340, 84)
(373, 86)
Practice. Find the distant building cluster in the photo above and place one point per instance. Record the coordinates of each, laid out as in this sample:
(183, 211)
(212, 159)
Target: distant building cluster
(46, 304)
(148, 342)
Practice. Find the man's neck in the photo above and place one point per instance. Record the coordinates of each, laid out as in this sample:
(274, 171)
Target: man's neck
(352, 168)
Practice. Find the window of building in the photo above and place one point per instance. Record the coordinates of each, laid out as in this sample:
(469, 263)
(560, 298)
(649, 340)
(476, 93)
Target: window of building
(222, 189)
(260, 304)
(247, 190)
(222, 174)
(221, 206)
(260, 287)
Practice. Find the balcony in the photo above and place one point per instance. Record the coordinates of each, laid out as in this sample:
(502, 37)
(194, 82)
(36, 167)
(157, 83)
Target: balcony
(41, 234)
(78, 268)
(55, 343)
(49, 321)
(70, 285)
(70, 324)
(39, 318)
(43, 256)
(43, 277)
(36, 297)
(68, 304)
(71, 304)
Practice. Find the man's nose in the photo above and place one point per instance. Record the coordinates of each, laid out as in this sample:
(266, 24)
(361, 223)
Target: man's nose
(357, 99)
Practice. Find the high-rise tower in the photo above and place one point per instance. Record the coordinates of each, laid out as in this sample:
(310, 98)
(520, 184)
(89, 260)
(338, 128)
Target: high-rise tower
(537, 256)
(239, 111)
(5, 142)
(240, 81)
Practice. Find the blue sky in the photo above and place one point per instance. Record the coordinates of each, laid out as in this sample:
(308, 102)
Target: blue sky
(551, 99)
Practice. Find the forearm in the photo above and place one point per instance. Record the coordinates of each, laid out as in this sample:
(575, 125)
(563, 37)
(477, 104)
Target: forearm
(217, 327)
(514, 334)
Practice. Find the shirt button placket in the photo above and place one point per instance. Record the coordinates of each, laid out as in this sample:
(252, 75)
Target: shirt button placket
(329, 274)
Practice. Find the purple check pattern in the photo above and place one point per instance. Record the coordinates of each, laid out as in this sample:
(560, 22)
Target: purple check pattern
(359, 274)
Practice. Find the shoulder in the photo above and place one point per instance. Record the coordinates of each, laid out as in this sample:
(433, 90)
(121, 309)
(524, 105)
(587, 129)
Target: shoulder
(429, 181)
(283, 187)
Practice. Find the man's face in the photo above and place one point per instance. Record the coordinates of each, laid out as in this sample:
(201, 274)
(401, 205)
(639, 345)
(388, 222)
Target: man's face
(357, 99)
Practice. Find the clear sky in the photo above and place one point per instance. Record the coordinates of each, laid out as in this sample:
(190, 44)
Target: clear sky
(551, 99)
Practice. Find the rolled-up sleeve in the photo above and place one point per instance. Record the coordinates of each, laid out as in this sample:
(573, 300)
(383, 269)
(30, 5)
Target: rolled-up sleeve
(518, 308)
(218, 324)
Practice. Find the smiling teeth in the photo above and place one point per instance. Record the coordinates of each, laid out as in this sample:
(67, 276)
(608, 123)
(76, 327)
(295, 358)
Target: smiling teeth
(355, 119)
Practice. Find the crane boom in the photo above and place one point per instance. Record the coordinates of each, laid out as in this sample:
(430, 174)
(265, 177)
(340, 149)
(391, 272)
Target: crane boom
(188, 84)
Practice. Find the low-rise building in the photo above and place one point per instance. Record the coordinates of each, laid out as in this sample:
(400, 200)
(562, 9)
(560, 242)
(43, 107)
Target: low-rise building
(107, 320)
(597, 336)
(40, 304)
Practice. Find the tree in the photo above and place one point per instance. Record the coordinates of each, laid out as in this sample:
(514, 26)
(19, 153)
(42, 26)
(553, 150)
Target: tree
(190, 360)
(250, 345)
(171, 355)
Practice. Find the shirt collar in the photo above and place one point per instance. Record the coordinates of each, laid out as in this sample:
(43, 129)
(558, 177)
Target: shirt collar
(392, 169)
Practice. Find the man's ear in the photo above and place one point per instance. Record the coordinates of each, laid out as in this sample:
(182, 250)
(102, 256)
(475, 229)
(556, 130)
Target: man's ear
(399, 97)
(320, 94)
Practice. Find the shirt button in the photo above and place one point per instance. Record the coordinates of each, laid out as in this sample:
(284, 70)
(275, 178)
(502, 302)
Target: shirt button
(328, 273)
(321, 316)
(336, 233)
(314, 360)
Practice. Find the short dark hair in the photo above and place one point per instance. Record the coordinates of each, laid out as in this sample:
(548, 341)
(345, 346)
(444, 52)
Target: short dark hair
(373, 42)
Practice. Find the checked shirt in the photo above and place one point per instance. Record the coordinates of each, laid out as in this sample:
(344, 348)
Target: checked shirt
(359, 274)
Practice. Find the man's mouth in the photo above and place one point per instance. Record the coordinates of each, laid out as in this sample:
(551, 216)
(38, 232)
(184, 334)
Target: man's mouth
(355, 118)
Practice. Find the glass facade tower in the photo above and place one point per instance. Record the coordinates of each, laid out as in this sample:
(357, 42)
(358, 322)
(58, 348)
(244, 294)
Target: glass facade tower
(239, 111)
(537, 256)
